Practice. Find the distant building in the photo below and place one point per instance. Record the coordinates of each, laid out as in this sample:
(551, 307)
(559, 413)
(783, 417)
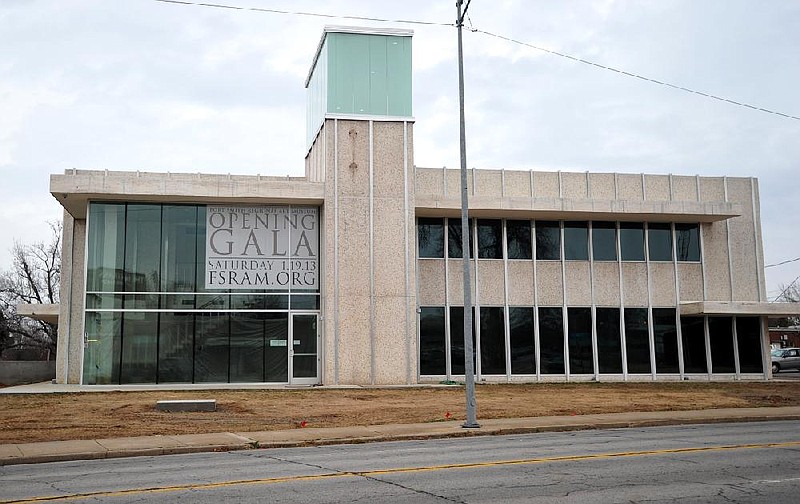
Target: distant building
(784, 337)
(352, 273)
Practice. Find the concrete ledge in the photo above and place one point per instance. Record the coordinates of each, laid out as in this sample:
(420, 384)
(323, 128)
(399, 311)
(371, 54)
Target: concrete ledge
(176, 405)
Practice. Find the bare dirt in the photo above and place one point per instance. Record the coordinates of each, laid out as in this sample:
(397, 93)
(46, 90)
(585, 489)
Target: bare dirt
(26, 418)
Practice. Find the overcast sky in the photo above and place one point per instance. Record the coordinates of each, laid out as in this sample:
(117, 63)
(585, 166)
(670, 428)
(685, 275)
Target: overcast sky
(152, 86)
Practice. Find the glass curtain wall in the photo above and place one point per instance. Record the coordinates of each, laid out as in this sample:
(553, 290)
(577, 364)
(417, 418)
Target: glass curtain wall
(149, 317)
(633, 340)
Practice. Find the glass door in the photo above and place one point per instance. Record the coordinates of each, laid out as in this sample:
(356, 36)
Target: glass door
(303, 350)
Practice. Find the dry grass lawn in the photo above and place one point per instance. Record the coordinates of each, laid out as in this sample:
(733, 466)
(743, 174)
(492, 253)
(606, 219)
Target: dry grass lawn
(50, 417)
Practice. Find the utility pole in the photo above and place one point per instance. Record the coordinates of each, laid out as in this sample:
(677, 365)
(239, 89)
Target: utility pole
(469, 369)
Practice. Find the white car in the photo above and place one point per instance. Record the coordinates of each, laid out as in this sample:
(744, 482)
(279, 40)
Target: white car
(785, 358)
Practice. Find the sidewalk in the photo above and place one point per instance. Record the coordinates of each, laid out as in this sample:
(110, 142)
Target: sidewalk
(30, 453)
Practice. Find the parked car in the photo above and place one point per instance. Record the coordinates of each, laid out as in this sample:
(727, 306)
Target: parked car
(785, 358)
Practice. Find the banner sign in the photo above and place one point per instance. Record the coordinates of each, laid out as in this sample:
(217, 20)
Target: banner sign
(263, 247)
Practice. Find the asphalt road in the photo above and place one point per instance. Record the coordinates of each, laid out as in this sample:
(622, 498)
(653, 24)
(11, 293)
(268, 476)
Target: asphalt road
(746, 462)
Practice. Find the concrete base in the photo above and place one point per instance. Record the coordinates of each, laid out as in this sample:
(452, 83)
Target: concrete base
(187, 405)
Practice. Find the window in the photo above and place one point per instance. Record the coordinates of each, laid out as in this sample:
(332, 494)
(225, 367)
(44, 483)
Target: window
(548, 241)
(748, 339)
(665, 339)
(687, 242)
(581, 357)
(212, 332)
(490, 239)
(609, 347)
(176, 334)
(694, 345)
(720, 335)
(247, 347)
(454, 239)
(430, 238)
(139, 347)
(551, 340)
(432, 341)
(493, 341)
(149, 260)
(604, 241)
(576, 241)
(631, 241)
(457, 340)
(518, 236)
(106, 247)
(659, 241)
(637, 340)
(523, 351)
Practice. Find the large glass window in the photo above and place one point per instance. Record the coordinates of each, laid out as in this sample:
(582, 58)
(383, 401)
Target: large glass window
(430, 237)
(103, 338)
(139, 347)
(748, 339)
(604, 241)
(142, 250)
(432, 341)
(212, 334)
(659, 241)
(548, 241)
(457, 340)
(106, 248)
(276, 338)
(687, 242)
(523, 350)
(609, 346)
(637, 340)
(149, 260)
(454, 239)
(490, 239)
(694, 345)
(176, 339)
(493, 341)
(576, 241)
(581, 357)
(551, 340)
(518, 236)
(720, 335)
(247, 347)
(631, 241)
(665, 339)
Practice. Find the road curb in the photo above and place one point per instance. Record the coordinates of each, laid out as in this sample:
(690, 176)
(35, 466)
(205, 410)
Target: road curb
(60, 451)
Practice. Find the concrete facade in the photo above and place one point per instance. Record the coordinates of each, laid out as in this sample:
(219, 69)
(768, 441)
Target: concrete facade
(375, 286)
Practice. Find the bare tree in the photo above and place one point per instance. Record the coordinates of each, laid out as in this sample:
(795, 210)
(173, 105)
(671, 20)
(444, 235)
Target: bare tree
(34, 278)
(789, 294)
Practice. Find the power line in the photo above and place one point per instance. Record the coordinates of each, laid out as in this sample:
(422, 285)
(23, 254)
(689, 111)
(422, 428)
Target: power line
(782, 262)
(300, 13)
(786, 289)
(636, 76)
(490, 34)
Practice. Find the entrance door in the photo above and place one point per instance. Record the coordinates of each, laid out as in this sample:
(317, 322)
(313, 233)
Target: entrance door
(303, 350)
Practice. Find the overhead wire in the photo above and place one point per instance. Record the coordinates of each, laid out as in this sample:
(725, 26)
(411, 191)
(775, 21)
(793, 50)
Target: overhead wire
(786, 289)
(636, 76)
(782, 262)
(301, 13)
(495, 35)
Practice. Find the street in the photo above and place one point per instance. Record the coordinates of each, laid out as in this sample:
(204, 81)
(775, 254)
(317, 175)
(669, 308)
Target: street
(741, 462)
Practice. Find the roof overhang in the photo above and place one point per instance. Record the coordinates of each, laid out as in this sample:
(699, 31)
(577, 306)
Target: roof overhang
(741, 308)
(578, 209)
(44, 312)
(76, 188)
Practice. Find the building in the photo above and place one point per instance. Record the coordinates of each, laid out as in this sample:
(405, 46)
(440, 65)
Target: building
(352, 273)
(784, 337)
